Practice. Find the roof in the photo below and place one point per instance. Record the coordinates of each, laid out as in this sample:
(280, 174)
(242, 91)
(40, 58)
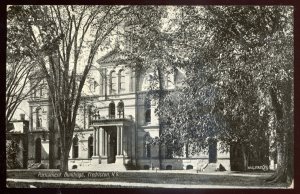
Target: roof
(112, 56)
(16, 127)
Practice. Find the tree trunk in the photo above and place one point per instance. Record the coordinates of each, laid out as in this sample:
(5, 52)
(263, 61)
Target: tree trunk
(284, 136)
(244, 157)
(281, 172)
(66, 142)
(64, 162)
(160, 96)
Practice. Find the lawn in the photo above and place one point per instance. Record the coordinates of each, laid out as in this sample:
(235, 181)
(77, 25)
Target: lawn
(192, 178)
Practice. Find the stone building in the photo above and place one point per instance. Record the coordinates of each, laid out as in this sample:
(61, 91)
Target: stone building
(17, 143)
(115, 123)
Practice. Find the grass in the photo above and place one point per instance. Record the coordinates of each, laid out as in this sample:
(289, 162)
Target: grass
(220, 179)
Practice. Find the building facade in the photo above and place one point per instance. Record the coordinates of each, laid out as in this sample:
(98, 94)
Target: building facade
(115, 124)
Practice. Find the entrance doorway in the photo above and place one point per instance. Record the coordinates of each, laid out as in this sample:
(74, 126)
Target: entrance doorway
(38, 150)
(111, 145)
(212, 151)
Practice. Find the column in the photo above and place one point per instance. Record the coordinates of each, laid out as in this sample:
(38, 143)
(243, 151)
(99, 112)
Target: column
(96, 158)
(121, 140)
(30, 119)
(94, 142)
(97, 142)
(118, 140)
(120, 156)
(101, 137)
(103, 145)
(105, 142)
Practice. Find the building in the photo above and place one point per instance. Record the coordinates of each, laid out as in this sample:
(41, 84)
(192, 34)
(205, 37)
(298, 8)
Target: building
(17, 143)
(115, 124)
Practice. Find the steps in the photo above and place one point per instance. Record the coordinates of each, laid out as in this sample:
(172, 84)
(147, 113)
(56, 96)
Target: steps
(211, 167)
(103, 167)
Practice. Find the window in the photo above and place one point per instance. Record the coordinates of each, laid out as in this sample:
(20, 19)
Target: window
(146, 167)
(147, 110)
(113, 83)
(189, 167)
(90, 147)
(92, 85)
(41, 91)
(34, 93)
(38, 119)
(121, 81)
(121, 109)
(148, 82)
(89, 115)
(169, 167)
(75, 147)
(147, 151)
(168, 81)
(112, 110)
(95, 86)
(103, 80)
(42, 88)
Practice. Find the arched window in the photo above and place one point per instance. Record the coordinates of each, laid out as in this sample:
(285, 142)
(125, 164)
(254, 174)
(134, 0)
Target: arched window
(41, 91)
(113, 83)
(148, 81)
(120, 109)
(92, 85)
(58, 148)
(147, 110)
(147, 151)
(89, 115)
(169, 167)
(121, 76)
(75, 147)
(146, 167)
(189, 167)
(38, 119)
(168, 81)
(90, 147)
(38, 150)
(112, 110)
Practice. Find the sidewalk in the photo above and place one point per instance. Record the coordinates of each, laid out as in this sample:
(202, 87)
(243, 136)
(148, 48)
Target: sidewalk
(135, 185)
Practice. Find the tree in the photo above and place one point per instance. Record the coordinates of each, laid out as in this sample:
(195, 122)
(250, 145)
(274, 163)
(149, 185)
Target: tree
(20, 74)
(64, 40)
(238, 59)
(144, 46)
(22, 78)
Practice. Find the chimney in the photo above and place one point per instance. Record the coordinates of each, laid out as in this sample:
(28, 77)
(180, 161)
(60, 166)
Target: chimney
(22, 117)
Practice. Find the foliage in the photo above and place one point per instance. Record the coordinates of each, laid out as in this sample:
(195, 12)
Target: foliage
(12, 150)
(64, 41)
(233, 56)
(22, 75)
